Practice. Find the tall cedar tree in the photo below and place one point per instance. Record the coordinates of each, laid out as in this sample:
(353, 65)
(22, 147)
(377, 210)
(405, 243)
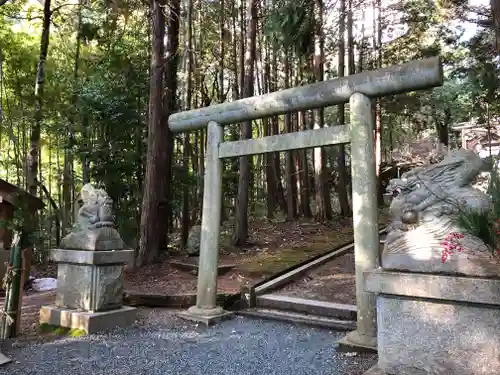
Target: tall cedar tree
(155, 203)
(241, 228)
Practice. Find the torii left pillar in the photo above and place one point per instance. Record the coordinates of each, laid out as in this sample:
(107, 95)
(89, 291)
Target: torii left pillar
(206, 310)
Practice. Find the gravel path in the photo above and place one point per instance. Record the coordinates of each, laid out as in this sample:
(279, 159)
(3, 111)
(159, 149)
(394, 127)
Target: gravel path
(240, 346)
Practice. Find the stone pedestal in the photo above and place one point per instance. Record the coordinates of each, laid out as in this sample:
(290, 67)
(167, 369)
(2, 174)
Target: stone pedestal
(435, 324)
(89, 290)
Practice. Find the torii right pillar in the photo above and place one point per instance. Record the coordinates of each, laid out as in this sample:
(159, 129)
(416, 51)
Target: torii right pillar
(365, 221)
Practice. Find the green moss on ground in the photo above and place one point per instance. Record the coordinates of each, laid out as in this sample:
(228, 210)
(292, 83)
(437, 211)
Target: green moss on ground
(269, 263)
(61, 331)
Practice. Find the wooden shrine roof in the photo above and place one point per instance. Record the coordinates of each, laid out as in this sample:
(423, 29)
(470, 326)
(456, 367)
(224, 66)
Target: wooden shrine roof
(11, 194)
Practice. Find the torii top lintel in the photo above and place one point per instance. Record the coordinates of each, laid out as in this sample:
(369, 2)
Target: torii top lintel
(411, 76)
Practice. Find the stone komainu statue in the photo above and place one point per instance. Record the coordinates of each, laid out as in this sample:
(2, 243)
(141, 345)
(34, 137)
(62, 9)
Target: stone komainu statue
(425, 203)
(94, 226)
(96, 209)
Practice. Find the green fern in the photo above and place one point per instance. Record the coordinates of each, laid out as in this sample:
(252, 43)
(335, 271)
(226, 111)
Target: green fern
(479, 225)
(482, 225)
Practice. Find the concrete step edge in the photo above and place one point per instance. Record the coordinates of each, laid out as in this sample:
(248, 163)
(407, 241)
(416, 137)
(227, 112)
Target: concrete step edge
(307, 306)
(311, 320)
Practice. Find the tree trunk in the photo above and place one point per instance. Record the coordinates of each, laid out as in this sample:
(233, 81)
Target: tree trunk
(221, 51)
(378, 109)
(302, 165)
(32, 159)
(280, 191)
(170, 106)
(200, 160)
(155, 211)
(351, 58)
(351, 63)
(201, 169)
(378, 102)
(67, 212)
(291, 210)
(221, 93)
(361, 47)
(323, 203)
(187, 104)
(270, 180)
(242, 46)
(443, 126)
(304, 172)
(153, 227)
(194, 164)
(241, 226)
(269, 157)
(139, 149)
(87, 148)
(234, 50)
(342, 191)
(495, 10)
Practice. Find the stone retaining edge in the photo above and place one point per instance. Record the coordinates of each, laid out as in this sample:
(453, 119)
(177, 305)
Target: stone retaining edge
(173, 301)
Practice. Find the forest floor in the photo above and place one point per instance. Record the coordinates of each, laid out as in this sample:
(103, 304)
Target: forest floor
(273, 247)
(334, 281)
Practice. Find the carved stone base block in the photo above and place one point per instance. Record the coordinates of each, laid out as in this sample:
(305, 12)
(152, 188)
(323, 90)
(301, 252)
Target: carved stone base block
(436, 324)
(90, 281)
(87, 321)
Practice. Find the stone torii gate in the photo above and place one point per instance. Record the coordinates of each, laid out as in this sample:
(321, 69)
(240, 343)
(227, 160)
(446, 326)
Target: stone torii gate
(358, 90)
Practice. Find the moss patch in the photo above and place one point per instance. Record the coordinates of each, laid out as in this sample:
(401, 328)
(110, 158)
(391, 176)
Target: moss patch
(61, 331)
(271, 262)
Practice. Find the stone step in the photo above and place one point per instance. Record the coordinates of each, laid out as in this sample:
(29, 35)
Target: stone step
(4, 359)
(297, 318)
(307, 306)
